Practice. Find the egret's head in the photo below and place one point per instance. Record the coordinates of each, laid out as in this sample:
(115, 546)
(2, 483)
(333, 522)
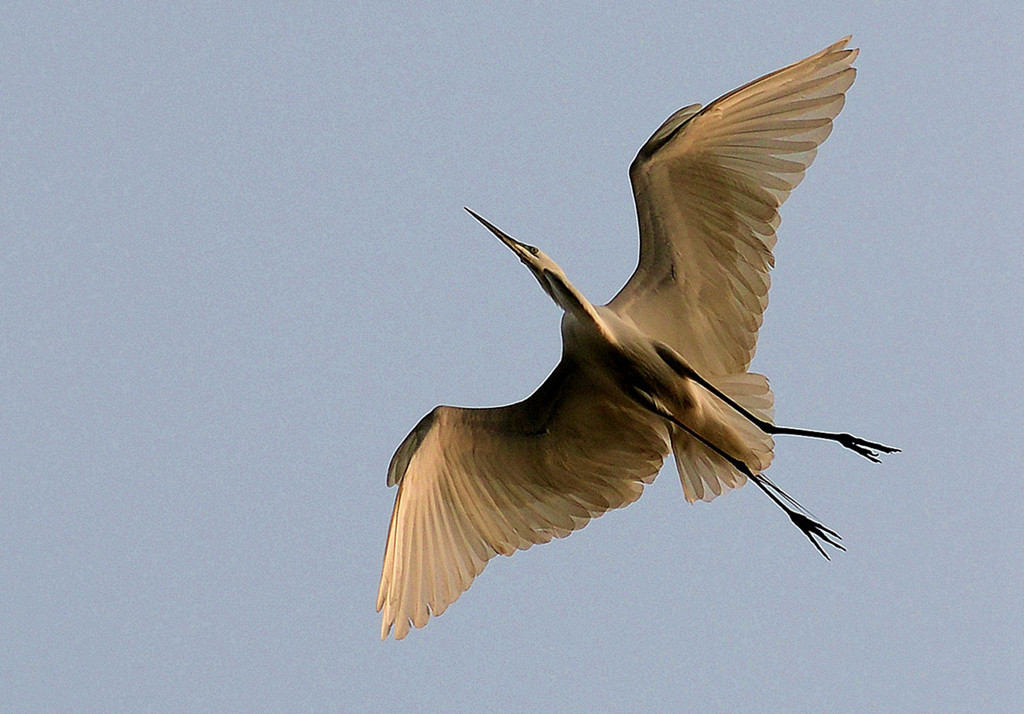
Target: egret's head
(548, 274)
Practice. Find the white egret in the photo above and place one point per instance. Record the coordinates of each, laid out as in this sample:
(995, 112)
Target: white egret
(661, 368)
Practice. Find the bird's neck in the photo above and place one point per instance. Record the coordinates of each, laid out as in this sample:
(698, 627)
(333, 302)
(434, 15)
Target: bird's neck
(575, 304)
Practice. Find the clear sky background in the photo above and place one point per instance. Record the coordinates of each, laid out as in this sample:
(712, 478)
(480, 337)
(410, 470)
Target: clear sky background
(235, 272)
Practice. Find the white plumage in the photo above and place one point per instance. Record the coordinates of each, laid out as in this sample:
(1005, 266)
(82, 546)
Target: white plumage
(662, 367)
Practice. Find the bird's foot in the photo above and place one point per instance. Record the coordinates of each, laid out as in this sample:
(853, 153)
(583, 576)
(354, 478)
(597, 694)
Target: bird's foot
(868, 449)
(812, 529)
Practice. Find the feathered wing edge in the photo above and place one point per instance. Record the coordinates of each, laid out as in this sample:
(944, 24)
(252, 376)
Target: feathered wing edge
(708, 189)
(475, 483)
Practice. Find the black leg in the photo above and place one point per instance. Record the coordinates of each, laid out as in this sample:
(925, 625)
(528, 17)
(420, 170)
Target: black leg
(868, 449)
(810, 527)
(807, 525)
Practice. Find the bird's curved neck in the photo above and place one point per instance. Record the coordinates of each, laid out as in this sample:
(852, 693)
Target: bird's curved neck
(567, 297)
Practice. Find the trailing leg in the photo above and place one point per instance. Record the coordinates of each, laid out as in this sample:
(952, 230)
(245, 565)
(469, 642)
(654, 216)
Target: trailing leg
(868, 449)
(807, 525)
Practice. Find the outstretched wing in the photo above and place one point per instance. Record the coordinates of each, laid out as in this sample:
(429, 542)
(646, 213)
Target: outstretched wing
(708, 185)
(475, 483)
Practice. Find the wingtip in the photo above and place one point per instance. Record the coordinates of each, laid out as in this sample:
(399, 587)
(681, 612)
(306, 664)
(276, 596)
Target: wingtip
(841, 46)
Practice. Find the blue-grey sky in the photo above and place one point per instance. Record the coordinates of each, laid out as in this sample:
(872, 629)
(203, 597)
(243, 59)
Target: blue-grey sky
(235, 271)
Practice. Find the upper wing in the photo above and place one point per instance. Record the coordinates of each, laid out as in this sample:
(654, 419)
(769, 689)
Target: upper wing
(708, 185)
(474, 483)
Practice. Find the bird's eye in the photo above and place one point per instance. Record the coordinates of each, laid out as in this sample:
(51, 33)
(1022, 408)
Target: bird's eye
(533, 249)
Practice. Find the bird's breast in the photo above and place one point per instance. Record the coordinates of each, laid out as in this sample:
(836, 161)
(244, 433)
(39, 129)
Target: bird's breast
(620, 355)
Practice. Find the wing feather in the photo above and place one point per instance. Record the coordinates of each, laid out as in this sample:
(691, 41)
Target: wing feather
(475, 483)
(708, 185)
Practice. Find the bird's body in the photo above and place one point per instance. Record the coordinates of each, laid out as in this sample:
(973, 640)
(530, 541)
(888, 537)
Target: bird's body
(663, 368)
(615, 352)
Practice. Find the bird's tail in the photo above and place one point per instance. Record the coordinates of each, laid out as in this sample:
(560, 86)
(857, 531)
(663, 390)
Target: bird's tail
(703, 473)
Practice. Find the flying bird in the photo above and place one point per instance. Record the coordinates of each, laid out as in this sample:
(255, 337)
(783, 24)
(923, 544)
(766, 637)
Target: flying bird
(662, 368)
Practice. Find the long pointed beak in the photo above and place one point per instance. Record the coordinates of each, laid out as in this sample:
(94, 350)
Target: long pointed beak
(518, 248)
